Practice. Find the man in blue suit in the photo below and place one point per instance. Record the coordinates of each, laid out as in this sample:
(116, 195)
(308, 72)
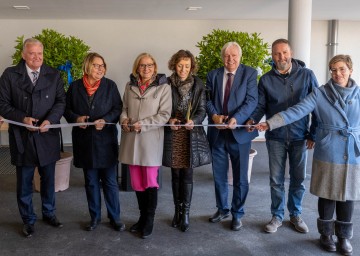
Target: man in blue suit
(233, 97)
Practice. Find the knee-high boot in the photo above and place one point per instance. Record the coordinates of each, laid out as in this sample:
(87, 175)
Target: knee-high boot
(326, 230)
(178, 204)
(187, 195)
(141, 198)
(344, 232)
(152, 196)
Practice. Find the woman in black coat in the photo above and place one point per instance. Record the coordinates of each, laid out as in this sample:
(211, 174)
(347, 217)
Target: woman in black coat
(185, 147)
(95, 98)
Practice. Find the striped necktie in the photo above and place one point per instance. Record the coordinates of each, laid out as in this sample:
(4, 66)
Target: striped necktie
(35, 77)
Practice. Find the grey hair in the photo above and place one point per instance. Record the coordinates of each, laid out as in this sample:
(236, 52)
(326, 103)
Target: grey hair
(31, 41)
(230, 44)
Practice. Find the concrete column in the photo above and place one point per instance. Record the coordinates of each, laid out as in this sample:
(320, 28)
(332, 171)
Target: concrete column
(299, 29)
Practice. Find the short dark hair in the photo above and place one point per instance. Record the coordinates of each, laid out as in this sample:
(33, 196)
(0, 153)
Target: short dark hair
(281, 41)
(180, 55)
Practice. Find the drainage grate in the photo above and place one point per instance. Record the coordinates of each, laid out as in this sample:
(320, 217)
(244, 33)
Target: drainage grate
(5, 164)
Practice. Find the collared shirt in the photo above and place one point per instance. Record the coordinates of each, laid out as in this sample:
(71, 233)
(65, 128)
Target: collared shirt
(287, 73)
(225, 78)
(29, 71)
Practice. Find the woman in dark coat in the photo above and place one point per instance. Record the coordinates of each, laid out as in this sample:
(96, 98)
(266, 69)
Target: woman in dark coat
(95, 98)
(185, 147)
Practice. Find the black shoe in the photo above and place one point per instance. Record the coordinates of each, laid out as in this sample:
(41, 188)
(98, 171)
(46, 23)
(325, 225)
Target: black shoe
(137, 227)
(92, 225)
(53, 221)
(117, 225)
(218, 216)
(28, 230)
(344, 246)
(236, 224)
(327, 243)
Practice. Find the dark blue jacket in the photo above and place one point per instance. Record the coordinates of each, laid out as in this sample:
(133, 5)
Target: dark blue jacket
(93, 148)
(277, 93)
(45, 101)
(242, 101)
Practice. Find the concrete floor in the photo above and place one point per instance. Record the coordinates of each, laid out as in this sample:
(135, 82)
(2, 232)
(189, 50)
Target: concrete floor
(203, 238)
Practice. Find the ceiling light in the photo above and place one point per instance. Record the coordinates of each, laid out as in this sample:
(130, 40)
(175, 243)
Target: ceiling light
(21, 7)
(193, 8)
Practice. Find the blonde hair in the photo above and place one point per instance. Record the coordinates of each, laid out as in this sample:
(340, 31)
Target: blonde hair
(89, 60)
(137, 61)
(341, 57)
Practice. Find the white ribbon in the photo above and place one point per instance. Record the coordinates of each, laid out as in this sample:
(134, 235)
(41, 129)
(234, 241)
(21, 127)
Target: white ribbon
(49, 126)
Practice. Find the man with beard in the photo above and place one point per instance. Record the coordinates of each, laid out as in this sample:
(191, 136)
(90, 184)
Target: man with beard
(282, 87)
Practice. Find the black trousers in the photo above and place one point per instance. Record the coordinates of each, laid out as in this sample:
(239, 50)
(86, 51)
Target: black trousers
(344, 210)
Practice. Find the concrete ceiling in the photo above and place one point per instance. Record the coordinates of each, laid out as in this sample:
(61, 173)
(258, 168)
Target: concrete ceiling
(174, 9)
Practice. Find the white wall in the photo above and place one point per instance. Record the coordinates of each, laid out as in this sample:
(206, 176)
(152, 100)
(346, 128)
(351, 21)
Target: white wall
(120, 41)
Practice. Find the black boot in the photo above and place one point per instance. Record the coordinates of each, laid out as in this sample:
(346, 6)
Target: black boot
(326, 230)
(344, 232)
(141, 198)
(177, 202)
(152, 194)
(187, 195)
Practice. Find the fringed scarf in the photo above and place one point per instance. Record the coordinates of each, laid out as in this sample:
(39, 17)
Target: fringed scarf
(184, 89)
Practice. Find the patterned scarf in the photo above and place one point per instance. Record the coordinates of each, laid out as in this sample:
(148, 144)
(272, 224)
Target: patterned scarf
(184, 89)
(144, 86)
(90, 89)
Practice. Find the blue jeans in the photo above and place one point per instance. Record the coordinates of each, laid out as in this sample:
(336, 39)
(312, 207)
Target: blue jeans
(224, 147)
(297, 153)
(110, 190)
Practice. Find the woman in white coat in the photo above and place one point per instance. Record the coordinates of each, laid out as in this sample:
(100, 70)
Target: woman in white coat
(146, 107)
(336, 161)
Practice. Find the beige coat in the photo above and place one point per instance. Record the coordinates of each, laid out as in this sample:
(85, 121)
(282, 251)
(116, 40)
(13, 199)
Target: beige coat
(153, 107)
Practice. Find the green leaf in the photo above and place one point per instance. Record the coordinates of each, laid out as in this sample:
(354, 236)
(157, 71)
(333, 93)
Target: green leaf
(255, 52)
(58, 48)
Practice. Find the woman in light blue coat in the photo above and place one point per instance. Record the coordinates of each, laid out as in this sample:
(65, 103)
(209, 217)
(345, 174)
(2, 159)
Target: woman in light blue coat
(336, 161)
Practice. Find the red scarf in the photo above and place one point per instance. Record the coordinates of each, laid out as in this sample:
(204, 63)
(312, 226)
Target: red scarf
(143, 87)
(90, 89)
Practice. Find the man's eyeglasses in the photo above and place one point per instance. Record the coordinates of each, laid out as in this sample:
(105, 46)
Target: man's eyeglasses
(143, 66)
(98, 66)
(341, 70)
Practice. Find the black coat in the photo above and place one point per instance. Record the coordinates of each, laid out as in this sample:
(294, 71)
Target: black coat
(199, 145)
(93, 148)
(45, 101)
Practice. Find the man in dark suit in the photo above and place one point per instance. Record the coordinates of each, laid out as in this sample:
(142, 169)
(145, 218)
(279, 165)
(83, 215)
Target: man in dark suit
(233, 97)
(32, 93)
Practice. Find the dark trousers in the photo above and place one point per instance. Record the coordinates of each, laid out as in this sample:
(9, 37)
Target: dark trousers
(110, 189)
(182, 175)
(224, 147)
(344, 210)
(24, 191)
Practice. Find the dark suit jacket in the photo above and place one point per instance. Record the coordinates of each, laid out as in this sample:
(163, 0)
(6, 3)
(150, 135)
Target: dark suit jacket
(242, 101)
